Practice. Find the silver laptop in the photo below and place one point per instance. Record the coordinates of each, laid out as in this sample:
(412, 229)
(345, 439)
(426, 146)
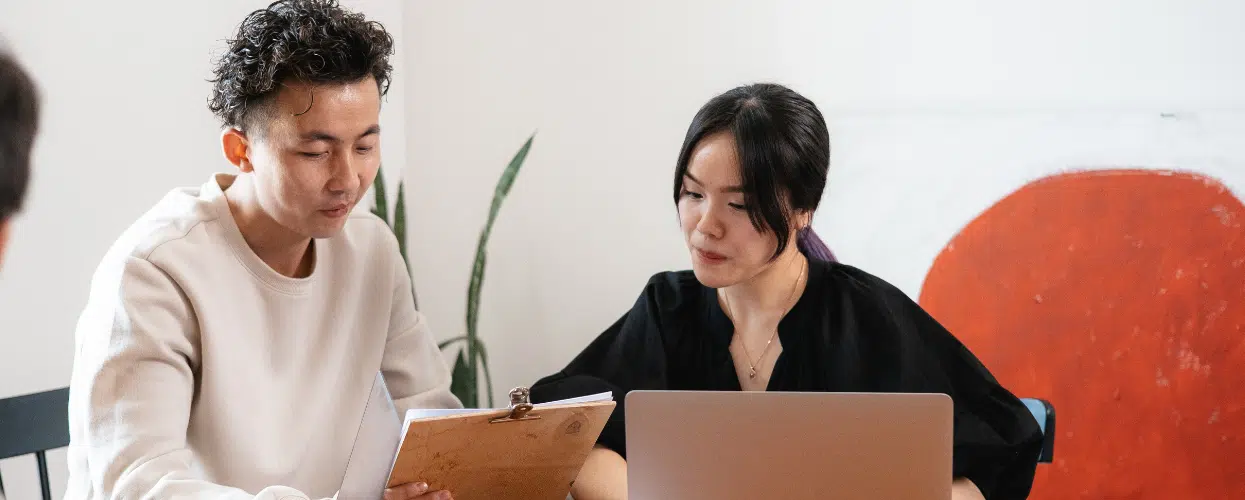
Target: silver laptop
(746, 445)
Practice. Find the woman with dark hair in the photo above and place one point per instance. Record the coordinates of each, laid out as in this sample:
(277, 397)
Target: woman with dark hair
(766, 308)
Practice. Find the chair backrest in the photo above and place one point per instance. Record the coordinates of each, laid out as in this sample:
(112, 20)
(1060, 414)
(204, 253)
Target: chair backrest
(1044, 412)
(34, 423)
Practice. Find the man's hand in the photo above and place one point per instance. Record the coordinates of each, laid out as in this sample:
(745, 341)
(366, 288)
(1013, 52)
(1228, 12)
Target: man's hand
(415, 491)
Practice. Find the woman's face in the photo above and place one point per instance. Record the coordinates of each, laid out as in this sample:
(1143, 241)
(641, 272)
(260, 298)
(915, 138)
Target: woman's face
(726, 248)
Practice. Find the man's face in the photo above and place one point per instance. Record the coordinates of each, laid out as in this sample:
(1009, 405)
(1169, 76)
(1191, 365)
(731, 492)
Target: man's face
(317, 154)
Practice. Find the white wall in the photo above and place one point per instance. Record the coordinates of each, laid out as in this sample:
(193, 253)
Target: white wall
(937, 109)
(974, 95)
(124, 120)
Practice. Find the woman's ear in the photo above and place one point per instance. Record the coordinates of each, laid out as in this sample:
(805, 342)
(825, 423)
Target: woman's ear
(804, 219)
(237, 148)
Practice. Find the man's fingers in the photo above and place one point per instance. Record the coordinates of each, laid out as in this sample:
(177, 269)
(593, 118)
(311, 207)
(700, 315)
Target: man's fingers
(406, 491)
(415, 491)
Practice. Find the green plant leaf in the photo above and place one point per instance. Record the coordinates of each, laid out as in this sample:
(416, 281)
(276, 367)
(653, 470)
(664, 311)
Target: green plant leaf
(507, 179)
(473, 291)
(447, 342)
(399, 222)
(381, 207)
(462, 383)
(477, 271)
(399, 230)
(488, 377)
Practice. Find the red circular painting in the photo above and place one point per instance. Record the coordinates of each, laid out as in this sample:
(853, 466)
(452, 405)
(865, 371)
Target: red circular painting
(1120, 297)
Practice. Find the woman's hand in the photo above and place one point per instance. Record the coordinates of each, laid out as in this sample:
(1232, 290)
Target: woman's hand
(415, 491)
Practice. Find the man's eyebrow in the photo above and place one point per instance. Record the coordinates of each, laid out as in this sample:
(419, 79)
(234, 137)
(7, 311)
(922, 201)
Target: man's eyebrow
(320, 135)
(317, 135)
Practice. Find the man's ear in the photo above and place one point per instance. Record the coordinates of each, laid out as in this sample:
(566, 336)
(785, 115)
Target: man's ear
(237, 148)
(4, 238)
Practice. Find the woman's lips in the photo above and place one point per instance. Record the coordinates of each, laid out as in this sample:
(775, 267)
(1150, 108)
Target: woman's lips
(710, 257)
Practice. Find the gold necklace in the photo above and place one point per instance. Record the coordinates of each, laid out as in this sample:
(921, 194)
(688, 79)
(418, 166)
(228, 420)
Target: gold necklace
(752, 365)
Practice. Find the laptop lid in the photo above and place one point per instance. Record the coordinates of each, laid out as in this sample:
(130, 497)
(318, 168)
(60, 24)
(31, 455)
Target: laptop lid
(747, 445)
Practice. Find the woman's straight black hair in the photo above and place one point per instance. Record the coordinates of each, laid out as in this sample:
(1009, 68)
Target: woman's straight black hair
(783, 147)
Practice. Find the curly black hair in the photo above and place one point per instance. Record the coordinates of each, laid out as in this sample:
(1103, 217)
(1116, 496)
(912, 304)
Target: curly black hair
(307, 41)
(19, 122)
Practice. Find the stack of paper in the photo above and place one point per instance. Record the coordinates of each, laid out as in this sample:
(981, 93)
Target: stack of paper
(423, 414)
(466, 441)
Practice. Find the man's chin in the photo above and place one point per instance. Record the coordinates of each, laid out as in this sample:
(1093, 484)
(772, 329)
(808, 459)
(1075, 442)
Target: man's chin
(327, 229)
(323, 235)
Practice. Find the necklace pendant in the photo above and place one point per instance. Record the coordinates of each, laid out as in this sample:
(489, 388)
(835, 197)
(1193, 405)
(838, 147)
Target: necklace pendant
(752, 373)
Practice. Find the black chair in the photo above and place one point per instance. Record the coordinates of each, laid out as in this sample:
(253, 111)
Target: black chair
(34, 423)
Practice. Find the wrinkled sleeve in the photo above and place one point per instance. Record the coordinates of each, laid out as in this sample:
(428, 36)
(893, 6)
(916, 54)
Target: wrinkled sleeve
(627, 356)
(415, 371)
(997, 440)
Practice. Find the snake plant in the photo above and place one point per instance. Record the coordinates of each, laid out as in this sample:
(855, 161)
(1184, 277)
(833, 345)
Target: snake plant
(472, 357)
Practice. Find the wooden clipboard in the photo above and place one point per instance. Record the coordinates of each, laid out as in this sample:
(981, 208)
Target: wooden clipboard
(520, 453)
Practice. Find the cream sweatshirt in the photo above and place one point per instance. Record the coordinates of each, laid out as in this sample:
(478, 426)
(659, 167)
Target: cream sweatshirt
(200, 372)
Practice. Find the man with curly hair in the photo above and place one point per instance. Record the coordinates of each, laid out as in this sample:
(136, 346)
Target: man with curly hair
(19, 120)
(232, 333)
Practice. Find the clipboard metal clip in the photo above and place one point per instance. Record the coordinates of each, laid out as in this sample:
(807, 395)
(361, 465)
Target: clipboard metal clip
(520, 407)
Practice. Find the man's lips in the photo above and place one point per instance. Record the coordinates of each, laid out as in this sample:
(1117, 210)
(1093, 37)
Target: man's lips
(336, 210)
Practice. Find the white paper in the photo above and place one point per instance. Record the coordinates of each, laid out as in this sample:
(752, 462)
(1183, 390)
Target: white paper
(591, 398)
(375, 446)
(418, 414)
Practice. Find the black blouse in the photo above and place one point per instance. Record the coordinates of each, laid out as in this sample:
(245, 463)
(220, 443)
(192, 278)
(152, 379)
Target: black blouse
(849, 332)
